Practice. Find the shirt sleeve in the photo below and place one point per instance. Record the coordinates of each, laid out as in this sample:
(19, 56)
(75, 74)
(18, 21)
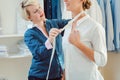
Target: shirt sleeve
(37, 47)
(99, 46)
(48, 44)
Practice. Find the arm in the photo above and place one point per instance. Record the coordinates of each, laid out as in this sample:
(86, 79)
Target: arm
(59, 23)
(37, 48)
(62, 23)
(74, 39)
(99, 46)
(63, 76)
(99, 53)
(87, 51)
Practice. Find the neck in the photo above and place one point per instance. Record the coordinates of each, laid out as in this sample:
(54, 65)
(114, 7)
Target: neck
(78, 16)
(76, 13)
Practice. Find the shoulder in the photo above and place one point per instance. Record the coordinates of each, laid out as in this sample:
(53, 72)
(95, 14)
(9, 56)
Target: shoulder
(96, 25)
(30, 31)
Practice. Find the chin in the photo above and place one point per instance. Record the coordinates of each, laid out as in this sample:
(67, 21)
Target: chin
(67, 8)
(43, 19)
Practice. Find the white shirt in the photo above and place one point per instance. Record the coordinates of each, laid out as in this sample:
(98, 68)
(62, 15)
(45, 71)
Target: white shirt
(77, 65)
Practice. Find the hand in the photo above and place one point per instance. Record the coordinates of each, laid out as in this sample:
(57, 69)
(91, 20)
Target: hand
(74, 37)
(53, 33)
(63, 76)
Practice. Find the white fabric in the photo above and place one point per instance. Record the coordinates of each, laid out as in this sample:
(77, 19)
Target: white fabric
(77, 65)
(95, 11)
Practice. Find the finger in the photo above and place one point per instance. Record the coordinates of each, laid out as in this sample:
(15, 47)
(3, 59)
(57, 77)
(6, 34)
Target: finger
(60, 30)
(53, 35)
(77, 32)
(54, 31)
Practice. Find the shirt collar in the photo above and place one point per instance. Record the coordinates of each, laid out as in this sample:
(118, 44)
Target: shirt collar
(82, 19)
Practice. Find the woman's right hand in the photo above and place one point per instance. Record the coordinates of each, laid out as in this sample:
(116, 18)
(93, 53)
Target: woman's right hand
(53, 33)
(63, 76)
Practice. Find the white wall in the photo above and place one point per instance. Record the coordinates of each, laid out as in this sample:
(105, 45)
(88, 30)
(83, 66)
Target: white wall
(16, 68)
(12, 68)
(7, 12)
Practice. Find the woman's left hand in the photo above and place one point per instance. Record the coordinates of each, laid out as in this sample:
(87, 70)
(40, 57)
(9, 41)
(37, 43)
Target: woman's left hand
(74, 37)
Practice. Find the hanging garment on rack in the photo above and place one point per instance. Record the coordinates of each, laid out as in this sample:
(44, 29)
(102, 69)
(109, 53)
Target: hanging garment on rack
(109, 26)
(107, 22)
(102, 7)
(95, 11)
(52, 9)
(115, 4)
(56, 9)
(48, 8)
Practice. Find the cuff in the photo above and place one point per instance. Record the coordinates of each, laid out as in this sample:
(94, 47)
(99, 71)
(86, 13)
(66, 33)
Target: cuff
(100, 59)
(48, 44)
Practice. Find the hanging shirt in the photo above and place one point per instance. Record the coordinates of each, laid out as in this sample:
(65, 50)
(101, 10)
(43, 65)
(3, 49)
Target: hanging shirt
(52, 9)
(102, 7)
(77, 65)
(115, 4)
(107, 22)
(56, 9)
(95, 11)
(109, 26)
(48, 9)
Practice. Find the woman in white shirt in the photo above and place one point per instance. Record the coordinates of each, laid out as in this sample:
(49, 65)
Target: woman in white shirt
(84, 44)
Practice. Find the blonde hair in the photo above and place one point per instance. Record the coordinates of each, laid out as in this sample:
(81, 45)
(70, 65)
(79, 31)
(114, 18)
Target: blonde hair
(86, 4)
(24, 12)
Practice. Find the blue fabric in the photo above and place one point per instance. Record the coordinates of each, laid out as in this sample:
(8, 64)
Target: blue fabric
(101, 4)
(56, 9)
(107, 23)
(35, 40)
(48, 8)
(116, 21)
(52, 9)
